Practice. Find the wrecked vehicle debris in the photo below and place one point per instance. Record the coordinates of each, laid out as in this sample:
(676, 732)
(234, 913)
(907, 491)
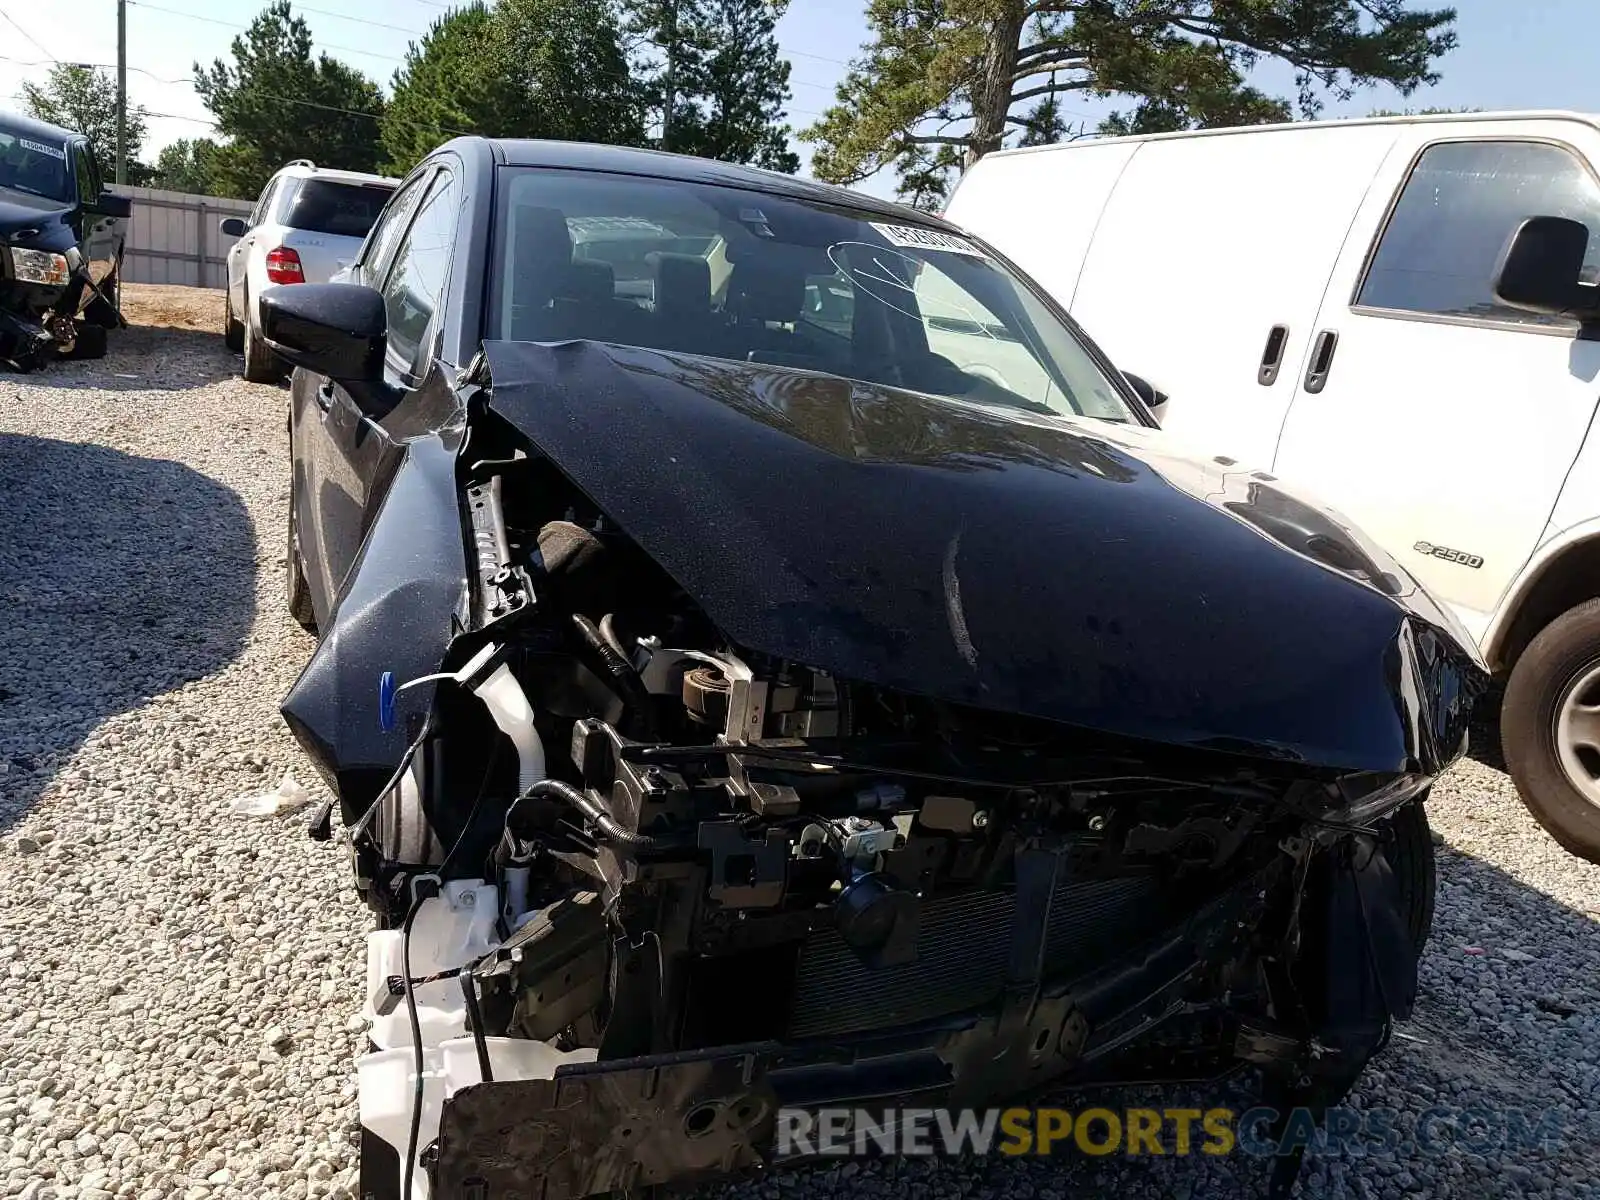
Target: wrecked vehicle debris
(768, 657)
(61, 238)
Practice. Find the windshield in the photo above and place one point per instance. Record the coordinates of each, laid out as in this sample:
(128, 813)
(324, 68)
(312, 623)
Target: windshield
(34, 166)
(341, 209)
(729, 273)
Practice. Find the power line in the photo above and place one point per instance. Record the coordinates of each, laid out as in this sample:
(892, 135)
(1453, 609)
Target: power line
(176, 12)
(31, 39)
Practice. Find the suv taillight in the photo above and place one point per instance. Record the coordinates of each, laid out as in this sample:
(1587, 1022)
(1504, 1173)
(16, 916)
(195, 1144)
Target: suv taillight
(283, 266)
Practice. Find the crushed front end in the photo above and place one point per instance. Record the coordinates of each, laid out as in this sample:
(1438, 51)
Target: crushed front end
(654, 866)
(40, 288)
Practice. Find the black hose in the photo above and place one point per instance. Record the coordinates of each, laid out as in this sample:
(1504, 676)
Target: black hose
(628, 684)
(591, 809)
(469, 989)
(418, 1064)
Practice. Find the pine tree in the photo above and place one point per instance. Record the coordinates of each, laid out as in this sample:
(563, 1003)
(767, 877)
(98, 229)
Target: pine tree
(713, 73)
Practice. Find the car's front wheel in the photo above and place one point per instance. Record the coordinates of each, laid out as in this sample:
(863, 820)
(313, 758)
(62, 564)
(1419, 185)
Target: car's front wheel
(297, 592)
(1550, 728)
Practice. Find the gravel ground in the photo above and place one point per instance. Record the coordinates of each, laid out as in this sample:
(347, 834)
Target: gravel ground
(177, 984)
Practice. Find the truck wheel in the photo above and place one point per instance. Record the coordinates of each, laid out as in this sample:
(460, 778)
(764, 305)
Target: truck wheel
(1550, 729)
(89, 341)
(260, 364)
(105, 310)
(232, 327)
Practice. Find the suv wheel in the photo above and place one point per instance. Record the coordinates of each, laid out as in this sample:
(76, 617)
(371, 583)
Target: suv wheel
(232, 327)
(1550, 728)
(260, 364)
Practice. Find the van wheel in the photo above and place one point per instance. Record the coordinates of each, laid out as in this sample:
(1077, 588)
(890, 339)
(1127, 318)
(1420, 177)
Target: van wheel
(1550, 728)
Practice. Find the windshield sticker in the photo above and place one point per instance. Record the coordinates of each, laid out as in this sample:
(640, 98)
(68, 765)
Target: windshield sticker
(40, 148)
(914, 238)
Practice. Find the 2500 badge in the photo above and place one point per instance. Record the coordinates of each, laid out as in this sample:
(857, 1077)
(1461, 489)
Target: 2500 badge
(1449, 555)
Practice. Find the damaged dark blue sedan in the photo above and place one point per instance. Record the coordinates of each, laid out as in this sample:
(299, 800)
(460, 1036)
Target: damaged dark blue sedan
(769, 658)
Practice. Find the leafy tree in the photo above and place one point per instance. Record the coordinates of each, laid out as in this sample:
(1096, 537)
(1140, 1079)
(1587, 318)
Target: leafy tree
(84, 100)
(275, 102)
(526, 68)
(716, 66)
(187, 165)
(960, 73)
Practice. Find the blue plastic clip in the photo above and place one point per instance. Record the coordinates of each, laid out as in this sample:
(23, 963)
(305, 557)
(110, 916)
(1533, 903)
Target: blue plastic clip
(386, 691)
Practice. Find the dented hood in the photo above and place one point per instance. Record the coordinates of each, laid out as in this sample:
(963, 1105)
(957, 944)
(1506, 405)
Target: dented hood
(1059, 568)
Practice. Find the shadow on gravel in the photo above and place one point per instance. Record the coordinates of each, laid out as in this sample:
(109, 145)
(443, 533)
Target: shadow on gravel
(147, 359)
(120, 578)
(1483, 739)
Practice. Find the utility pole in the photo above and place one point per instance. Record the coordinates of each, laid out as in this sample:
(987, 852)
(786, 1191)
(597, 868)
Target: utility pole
(122, 91)
(672, 63)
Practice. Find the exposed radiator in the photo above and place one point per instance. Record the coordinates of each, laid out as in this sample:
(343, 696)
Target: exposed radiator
(963, 944)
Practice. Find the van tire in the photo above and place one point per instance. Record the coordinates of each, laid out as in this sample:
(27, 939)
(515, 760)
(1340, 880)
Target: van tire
(1561, 654)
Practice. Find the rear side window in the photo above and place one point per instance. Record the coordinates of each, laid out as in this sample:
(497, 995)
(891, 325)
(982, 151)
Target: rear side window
(1460, 207)
(340, 209)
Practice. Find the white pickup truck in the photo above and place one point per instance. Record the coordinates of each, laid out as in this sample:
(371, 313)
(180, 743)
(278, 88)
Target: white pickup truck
(1399, 314)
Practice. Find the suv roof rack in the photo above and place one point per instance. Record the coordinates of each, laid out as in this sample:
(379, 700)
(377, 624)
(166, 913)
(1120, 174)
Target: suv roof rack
(301, 162)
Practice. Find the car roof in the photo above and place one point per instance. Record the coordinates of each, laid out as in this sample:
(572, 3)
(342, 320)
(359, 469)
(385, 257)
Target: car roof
(628, 160)
(310, 171)
(28, 127)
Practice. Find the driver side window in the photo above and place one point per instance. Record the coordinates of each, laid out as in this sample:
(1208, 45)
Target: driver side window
(414, 288)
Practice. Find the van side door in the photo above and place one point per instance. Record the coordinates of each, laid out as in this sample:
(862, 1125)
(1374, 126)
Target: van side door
(1210, 262)
(1440, 421)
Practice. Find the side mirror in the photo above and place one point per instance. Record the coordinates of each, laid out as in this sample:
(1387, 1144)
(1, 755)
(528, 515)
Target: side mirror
(332, 329)
(1539, 269)
(234, 227)
(1154, 399)
(108, 204)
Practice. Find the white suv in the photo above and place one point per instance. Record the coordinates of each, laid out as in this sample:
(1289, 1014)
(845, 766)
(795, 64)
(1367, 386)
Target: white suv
(307, 225)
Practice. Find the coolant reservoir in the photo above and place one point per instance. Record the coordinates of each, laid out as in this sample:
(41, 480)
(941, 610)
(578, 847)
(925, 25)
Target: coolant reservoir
(451, 930)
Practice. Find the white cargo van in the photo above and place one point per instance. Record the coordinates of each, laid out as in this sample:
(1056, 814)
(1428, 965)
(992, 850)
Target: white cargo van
(1399, 314)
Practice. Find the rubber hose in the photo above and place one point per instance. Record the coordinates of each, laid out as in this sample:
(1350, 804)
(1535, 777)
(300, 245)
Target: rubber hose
(609, 829)
(629, 686)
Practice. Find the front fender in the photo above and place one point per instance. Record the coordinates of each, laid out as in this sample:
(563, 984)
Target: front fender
(403, 601)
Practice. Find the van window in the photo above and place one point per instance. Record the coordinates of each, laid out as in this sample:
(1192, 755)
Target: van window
(1458, 210)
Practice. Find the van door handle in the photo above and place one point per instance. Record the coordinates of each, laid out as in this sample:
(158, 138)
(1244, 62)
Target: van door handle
(1321, 360)
(324, 395)
(1272, 356)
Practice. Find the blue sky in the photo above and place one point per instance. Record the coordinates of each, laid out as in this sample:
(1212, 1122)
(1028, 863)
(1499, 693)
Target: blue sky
(1527, 54)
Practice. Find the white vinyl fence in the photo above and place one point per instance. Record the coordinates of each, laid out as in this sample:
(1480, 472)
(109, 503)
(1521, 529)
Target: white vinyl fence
(173, 237)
